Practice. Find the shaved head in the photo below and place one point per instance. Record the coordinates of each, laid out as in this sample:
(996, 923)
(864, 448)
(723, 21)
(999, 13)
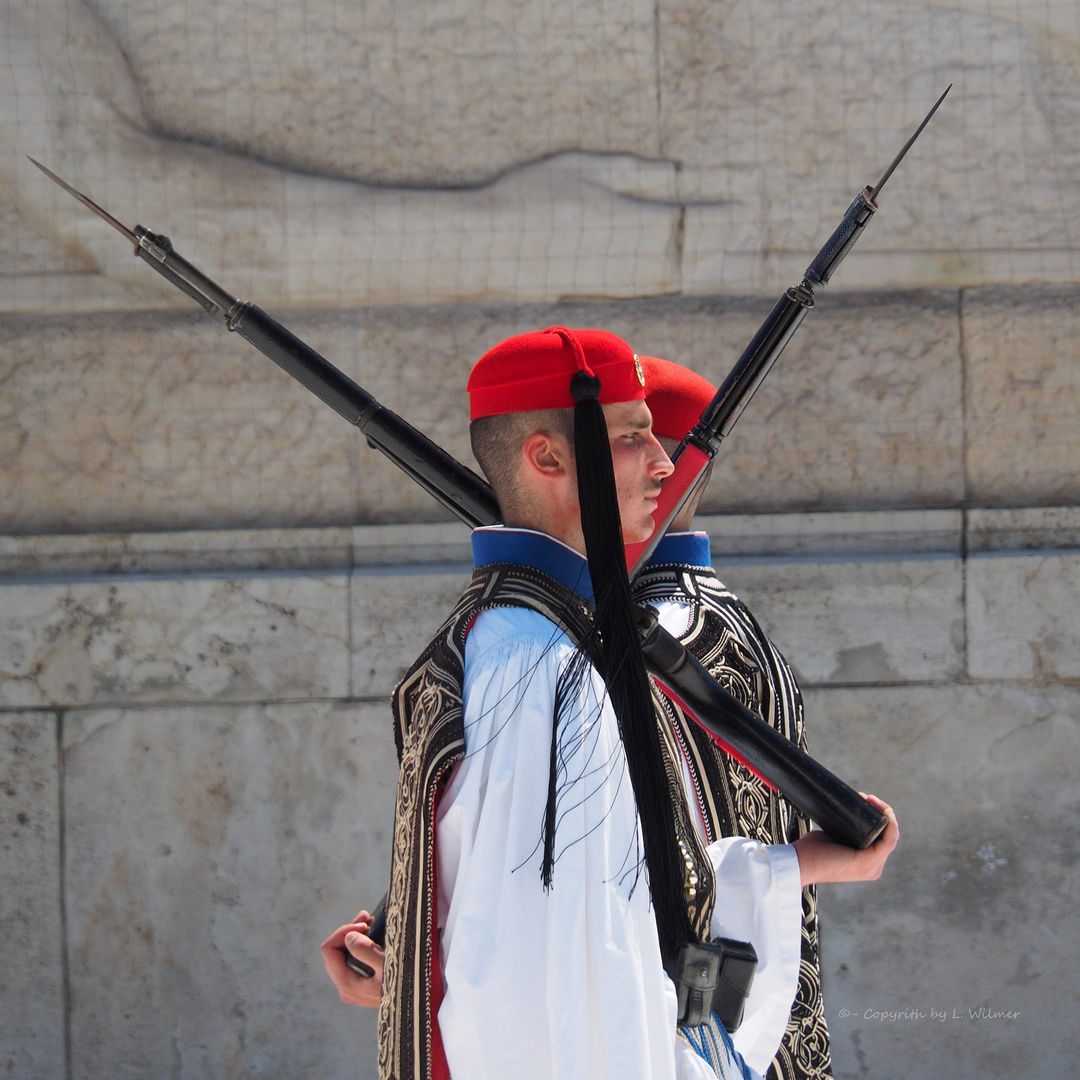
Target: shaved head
(496, 445)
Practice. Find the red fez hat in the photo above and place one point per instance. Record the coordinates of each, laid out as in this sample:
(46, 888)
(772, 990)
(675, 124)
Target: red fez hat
(676, 396)
(534, 371)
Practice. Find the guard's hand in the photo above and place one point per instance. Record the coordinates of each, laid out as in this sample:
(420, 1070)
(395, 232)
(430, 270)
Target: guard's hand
(354, 989)
(822, 859)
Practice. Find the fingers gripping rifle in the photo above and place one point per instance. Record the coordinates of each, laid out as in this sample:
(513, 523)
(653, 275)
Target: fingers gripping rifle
(818, 793)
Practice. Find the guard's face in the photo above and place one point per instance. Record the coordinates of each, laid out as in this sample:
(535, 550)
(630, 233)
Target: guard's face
(640, 466)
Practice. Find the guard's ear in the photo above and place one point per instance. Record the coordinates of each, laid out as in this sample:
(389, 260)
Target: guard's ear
(546, 455)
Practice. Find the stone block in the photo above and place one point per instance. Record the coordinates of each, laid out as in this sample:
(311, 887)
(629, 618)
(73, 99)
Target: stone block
(834, 533)
(743, 83)
(569, 225)
(722, 246)
(175, 552)
(394, 615)
(1035, 528)
(195, 639)
(1022, 617)
(32, 992)
(975, 916)
(446, 543)
(851, 623)
(52, 557)
(210, 851)
(1023, 393)
(439, 95)
(165, 422)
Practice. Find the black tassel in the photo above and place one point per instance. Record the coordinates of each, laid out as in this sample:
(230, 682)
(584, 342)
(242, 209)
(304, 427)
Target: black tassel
(547, 865)
(568, 693)
(623, 667)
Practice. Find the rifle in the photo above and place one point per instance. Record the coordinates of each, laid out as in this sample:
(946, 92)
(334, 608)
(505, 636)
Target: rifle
(818, 793)
(701, 444)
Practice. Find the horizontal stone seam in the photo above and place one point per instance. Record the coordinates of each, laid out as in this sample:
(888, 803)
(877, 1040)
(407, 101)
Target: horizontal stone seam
(130, 705)
(877, 684)
(1068, 681)
(721, 560)
(383, 699)
(81, 577)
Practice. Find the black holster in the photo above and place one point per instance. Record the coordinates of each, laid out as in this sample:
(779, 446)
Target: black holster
(713, 977)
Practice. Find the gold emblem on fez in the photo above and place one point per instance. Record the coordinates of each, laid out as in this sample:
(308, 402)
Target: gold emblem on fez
(637, 368)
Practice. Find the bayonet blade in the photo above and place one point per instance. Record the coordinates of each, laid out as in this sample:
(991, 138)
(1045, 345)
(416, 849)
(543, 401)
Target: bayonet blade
(907, 146)
(89, 203)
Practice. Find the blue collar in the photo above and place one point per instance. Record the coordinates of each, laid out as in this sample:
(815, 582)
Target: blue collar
(683, 549)
(524, 547)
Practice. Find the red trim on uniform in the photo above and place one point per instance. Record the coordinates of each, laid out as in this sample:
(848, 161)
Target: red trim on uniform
(440, 1069)
(719, 742)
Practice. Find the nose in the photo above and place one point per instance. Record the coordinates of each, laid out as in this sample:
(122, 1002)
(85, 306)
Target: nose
(659, 463)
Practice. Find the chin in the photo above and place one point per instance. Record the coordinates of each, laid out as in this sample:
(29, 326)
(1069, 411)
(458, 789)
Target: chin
(641, 534)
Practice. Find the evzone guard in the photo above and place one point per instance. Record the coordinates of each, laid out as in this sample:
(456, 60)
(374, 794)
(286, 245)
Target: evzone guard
(552, 865)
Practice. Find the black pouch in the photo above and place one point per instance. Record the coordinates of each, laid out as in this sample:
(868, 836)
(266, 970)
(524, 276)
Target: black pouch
(713, 977)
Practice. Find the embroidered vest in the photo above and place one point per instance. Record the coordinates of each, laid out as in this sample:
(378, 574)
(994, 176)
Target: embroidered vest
(726, 638)
(429, 731)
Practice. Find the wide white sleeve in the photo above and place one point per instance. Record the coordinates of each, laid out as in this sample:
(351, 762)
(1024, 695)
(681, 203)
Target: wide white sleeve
(759, 899)
(558, 984)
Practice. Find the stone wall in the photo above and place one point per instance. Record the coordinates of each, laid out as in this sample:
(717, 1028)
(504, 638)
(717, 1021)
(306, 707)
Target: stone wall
(208, 583)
